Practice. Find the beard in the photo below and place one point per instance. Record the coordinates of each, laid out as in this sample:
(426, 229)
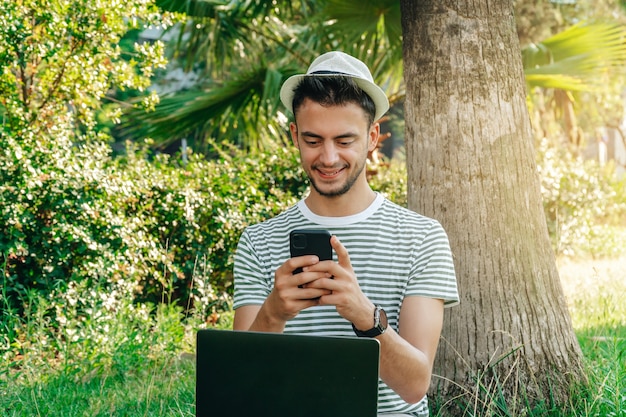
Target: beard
(344, 188)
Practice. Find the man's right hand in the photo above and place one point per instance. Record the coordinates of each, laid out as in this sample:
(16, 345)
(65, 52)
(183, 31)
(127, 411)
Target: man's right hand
(289, 296)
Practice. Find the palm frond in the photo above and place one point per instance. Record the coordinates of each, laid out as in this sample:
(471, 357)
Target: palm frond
(230, 111)
(576, 58)
(219, 33)
(376, 24)
(192, 8)
(372, 31)
(557, 81)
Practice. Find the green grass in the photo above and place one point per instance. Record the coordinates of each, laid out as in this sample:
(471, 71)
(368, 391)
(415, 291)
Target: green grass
(163, 388)
(596, 294)
(145, 374)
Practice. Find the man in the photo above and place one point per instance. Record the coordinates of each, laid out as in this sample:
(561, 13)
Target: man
(393, 271)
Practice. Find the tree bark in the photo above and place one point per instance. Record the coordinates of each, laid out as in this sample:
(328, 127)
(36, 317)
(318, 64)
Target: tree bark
(471, 165)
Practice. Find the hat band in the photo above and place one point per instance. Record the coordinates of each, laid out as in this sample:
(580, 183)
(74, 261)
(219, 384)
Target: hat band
(324, 72)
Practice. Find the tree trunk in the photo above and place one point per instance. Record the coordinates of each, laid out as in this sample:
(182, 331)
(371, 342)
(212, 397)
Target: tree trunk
(471, 165)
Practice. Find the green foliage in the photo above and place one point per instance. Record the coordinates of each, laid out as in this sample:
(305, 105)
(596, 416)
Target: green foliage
(585, 204)
(391, 181)
(72, 214)
(607, 374)
(192, 215)
(59, 59)
(163, 230)
(160, 388)
(113, 356)
(241, 52)
(87, 350)
(595, 291)
(574, 58)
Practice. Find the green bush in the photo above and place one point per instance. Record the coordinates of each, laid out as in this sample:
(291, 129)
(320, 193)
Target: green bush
(59, 62)
(584, 203)
(391, 181)
(155, 224)
(193, 215)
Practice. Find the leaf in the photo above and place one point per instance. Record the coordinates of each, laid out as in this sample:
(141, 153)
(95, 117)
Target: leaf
(576, 58)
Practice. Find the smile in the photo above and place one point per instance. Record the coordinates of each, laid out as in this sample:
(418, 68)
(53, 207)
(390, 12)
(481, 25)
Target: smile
(329, 174)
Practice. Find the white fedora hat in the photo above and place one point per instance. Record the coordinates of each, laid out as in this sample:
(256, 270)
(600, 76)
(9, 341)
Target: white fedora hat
(342, 65)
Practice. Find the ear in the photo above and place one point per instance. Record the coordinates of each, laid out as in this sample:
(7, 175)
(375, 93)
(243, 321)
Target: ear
(374, 135)
(293, 128)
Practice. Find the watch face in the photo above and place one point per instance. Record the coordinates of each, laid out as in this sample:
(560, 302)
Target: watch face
(383, 319)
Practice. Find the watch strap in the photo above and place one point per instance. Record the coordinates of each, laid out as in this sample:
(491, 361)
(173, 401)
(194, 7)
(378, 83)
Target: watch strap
(379, 327)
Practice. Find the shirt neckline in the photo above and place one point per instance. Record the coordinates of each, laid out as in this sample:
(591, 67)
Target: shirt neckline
(342, 220)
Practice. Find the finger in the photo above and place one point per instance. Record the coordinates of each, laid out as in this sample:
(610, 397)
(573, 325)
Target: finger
(292, 264)
(309, 294)
(329, 268)
(287, 304)
(305, 279)
(343, 258)
(286, 278)
(325, 283)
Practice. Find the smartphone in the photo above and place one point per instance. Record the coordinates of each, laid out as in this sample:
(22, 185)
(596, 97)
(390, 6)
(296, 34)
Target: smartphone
(310, 242)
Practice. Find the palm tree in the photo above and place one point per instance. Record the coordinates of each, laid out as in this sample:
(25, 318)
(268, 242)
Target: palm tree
(584, 58)
(245, 50)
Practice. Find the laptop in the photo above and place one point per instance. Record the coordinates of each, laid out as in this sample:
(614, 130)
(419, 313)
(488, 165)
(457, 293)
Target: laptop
(252, 374)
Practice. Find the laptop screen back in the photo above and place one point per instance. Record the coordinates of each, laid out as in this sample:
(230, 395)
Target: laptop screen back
(268, 374)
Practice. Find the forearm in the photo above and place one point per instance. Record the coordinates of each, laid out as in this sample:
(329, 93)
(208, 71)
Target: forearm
(272, 316)
(265, 322)
(255, 318)
(403, 367)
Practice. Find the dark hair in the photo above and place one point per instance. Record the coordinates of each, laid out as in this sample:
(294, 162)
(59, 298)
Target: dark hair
(333, 91)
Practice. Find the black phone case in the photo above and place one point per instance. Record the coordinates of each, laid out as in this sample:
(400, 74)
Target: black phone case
(310, 242)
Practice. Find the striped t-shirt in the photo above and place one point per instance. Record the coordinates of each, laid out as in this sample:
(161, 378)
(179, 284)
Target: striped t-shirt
(395, 253)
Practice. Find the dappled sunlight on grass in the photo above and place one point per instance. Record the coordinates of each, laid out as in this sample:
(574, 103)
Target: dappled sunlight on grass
(595, 292)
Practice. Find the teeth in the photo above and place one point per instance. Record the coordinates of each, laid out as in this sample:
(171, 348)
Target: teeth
(328, 171)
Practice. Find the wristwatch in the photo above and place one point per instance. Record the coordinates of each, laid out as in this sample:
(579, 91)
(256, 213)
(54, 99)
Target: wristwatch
(380, 324)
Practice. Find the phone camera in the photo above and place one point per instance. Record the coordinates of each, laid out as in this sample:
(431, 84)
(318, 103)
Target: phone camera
(299, 241)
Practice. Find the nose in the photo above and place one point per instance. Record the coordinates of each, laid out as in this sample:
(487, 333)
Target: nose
(328, 154)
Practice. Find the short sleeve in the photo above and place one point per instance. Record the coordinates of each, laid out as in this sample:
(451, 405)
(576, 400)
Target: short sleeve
(432, 274)
(251, 284)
